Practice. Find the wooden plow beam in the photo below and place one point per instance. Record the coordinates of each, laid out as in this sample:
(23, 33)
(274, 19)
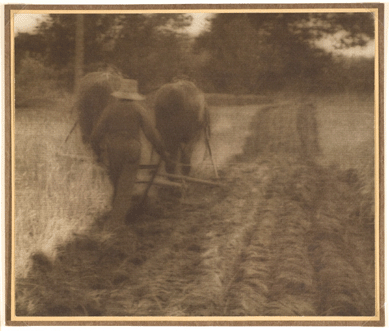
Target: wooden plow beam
(191, 179)
(172, 176)
(160, 183)
(179, 177)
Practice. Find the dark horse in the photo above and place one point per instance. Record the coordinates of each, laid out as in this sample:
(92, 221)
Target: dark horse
(181, 117)
(93, 96)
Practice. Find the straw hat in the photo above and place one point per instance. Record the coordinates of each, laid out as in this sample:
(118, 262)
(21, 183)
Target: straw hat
(128, 90)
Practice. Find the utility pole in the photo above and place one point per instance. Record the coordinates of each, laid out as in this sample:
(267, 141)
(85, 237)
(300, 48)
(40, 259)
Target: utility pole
(79, 51)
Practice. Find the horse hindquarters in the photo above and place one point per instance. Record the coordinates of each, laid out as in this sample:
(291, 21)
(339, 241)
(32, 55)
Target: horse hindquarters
(92, 97)
(179, 111)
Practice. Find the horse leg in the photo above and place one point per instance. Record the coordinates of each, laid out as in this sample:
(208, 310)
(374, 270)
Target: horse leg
(170, 166)
(186, 155)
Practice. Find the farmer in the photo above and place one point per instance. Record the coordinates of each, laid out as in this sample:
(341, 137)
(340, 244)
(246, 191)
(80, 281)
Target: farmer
(116, 133)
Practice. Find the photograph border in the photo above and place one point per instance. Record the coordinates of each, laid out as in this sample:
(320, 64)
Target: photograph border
(378, 320)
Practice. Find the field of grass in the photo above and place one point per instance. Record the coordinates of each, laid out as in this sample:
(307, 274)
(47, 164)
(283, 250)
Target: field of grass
(58, 187)
(283, 236)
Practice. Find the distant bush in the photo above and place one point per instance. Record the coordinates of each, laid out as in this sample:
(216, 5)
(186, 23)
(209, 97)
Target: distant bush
(347, 74)
(35, 81)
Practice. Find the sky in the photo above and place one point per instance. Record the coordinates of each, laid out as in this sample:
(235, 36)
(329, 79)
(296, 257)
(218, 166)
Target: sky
(199, 23)
(366, 51)
(27, 23)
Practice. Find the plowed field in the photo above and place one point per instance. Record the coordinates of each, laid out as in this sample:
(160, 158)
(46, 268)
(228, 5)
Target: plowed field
(280, 236)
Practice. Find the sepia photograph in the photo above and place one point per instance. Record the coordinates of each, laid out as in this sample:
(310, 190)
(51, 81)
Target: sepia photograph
(194, 165)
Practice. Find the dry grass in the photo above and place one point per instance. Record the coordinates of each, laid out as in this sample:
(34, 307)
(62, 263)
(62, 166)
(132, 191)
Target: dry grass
(288, 128)
(58, 186)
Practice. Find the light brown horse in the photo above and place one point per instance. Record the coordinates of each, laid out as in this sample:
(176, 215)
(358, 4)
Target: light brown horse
(181, 117)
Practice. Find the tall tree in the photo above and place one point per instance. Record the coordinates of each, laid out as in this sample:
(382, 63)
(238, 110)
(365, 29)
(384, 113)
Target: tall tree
(276, 50)
(79, 51)
(141, 46)
(149, 47)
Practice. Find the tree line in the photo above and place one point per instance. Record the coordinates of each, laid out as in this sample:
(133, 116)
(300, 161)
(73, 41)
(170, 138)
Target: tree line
(245, 53)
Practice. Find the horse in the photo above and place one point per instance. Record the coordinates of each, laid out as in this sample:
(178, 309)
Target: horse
(93, 96)
(181, 117)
